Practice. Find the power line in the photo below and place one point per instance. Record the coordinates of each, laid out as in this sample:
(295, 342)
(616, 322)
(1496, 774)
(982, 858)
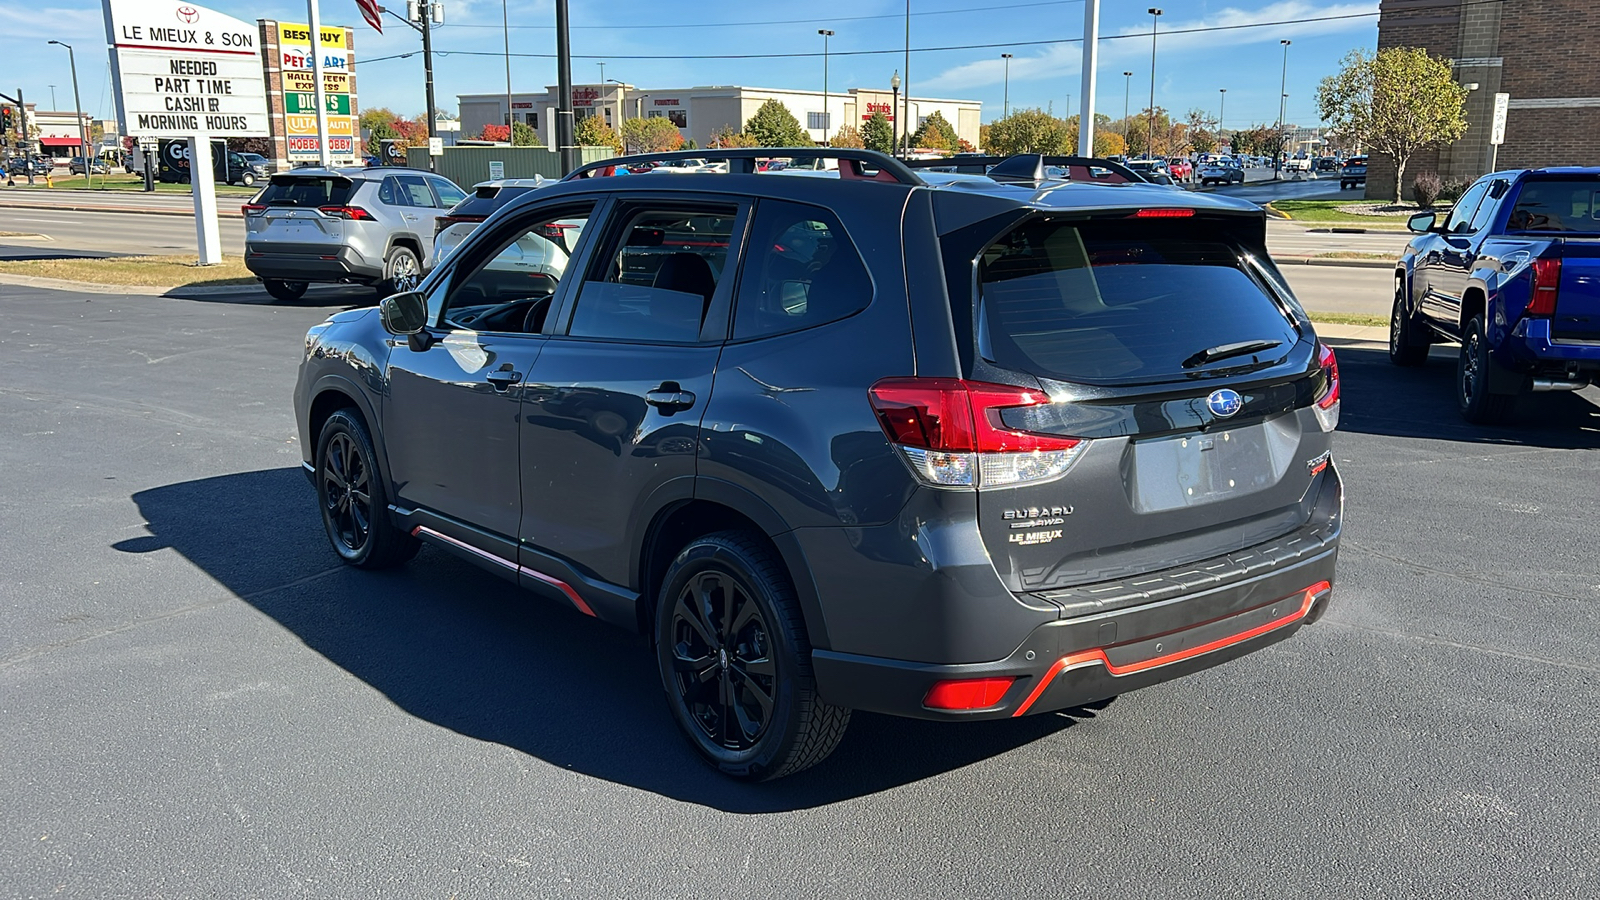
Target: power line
(895, 16)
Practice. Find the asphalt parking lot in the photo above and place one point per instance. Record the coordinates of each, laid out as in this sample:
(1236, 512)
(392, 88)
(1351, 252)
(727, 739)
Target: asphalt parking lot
(200, 701)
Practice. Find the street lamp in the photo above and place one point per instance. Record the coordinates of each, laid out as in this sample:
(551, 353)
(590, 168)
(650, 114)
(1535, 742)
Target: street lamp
(622, 99)
(907, 110)
(1150, 146)
(511, 114)
(1127, 127)
(1222, 112)
(1007, 106)
(83, 136)
(894, 128)
(826, 121)
(1283, 85)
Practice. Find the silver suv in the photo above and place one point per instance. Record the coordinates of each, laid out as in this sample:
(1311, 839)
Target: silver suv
(355, 226)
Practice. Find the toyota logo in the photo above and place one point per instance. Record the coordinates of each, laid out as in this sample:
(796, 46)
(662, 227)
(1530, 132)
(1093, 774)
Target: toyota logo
(188, 15)
(1224, 403)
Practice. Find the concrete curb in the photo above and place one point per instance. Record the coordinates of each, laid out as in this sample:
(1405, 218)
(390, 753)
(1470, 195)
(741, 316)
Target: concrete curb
(89, 287)
(143, 211)
(1334, 261)
(1364, 334)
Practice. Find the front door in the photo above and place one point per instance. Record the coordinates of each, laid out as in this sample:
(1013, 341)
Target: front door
(612, 408)
(1450, 259)
(452, 418)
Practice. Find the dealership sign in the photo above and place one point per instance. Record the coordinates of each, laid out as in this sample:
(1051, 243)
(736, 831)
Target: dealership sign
(182, 70)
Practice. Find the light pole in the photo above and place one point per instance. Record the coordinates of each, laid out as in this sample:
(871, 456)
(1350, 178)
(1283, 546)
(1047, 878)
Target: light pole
(1283, 85)
(1222, 111)
(622, 109)
(907, 122)
(1150, 146)
(602, 72)
(1127, 127)
(826, 121)
(894, 106)
(511, 113)
(83, 136)
(1007, 104)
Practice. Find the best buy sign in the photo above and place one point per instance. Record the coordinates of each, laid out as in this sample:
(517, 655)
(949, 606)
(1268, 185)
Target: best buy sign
(338, 104)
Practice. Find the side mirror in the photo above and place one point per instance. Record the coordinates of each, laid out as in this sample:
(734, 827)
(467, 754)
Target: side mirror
(405, 313)
(1422, 222)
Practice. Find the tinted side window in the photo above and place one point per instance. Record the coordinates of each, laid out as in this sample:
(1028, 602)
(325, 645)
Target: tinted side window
(449, 194)
(1487, 208)
(390, 194)
(416, 191)
(801, 271)
(656, 280)
(1461, 216)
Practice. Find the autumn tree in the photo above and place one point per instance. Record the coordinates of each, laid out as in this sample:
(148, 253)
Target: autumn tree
(726, 138)
(877, 134)
(654, 134)
(936, 133)
(592, 131)
(1202, 131)
(774, 126)
(523, 135)
(1395, 103)
(847, 136)
(1027, 131)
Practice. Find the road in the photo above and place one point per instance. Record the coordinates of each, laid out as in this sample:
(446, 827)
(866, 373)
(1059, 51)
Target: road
(200, 701)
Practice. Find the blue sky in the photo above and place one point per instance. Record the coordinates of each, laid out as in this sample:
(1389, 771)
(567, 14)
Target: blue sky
(1190, 67)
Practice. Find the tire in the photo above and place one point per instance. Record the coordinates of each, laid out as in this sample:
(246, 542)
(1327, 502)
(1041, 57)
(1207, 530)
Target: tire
(1345, 185)
(287, 291)
(1473, 366)
(735, 661)
(248, 179)
(402, 271)
(1408, 344)
(353, 498)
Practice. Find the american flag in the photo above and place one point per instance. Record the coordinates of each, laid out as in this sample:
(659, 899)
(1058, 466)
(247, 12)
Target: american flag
(373, 13)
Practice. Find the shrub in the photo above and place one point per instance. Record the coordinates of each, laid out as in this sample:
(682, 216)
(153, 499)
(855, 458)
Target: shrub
(846, 136)
(1425, 188)
(1452, 189)
(877, 134)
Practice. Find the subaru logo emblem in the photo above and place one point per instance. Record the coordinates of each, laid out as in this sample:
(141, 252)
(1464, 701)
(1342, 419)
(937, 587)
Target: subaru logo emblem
(1224, 403)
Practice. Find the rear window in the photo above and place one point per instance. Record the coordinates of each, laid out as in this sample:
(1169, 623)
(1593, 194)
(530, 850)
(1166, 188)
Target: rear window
(1571, 205)
(307, 191)
(1121, 301)
(485, 200)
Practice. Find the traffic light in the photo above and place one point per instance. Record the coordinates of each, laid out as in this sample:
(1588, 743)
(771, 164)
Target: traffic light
(7, 121)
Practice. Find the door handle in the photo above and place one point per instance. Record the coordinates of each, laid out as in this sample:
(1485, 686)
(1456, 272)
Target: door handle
(502, 379)
(669, 398)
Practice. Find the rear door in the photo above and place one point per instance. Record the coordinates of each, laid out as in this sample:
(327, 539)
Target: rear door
(611, 411)
(1184, 371)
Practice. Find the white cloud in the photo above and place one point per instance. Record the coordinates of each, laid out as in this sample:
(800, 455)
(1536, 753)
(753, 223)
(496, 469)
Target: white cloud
(70, 25)
(1062, 60)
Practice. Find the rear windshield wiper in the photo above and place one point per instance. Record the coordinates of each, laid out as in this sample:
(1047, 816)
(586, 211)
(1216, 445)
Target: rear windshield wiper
(1227, 351)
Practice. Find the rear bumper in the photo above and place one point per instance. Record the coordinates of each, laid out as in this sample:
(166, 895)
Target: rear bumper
(1071, 662)
(341, 264)
(1532, 342)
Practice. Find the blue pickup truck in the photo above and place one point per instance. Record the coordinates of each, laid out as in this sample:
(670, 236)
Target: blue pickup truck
(1512, 274)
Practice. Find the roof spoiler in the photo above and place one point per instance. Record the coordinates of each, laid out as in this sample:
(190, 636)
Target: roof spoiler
(1032, 168)
(863, 165)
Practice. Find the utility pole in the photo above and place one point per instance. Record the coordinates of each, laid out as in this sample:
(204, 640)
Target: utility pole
(324, 152)
(1150, 145)
(826, 121)
(1091, 54)
(564, 123)
(1222, 111)
(27, 146)
(1283, 86)
(1127, 126)
(1007, 102)
(511, 115)
(906, 124)
(422, 17)
(83, 133)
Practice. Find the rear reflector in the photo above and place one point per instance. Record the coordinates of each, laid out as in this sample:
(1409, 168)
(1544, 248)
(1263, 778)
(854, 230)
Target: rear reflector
(1163, 214)
(1327, 406)
(1546, 285)
(967, 693)
(950, 431)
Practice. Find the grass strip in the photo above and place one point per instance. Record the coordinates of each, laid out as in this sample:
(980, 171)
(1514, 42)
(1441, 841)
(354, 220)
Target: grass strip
(1326, 212)
(1335, 318)
(136, 271)
(122, 183)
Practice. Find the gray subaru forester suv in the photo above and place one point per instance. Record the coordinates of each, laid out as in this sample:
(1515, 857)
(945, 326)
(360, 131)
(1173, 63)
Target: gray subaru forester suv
(356, 226)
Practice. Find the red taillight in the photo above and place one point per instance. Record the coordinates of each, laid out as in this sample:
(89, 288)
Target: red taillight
(967, 693)
(443, 222)
(1330, 365)
(1163, 214)
(951, 432)
(346, 212)
(252, 209)
(1546, 285)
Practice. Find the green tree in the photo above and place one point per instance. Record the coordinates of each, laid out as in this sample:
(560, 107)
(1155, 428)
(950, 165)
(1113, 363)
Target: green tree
(877, 134)
(1027, 131)
(726, 137)
(380, 131)
(936, 133)
(654, 134)
(1395, 103)
(377, 115)
(847, 136)
(523, 135)
(774, 126)
(592, 131)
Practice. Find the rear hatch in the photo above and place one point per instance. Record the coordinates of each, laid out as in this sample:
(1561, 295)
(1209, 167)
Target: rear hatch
(1169, 401)
(1566, 209)
(300, 215)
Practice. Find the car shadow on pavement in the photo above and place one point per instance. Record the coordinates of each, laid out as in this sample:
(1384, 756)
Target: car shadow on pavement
(465, 650)
(1382, 398)
(339, 296)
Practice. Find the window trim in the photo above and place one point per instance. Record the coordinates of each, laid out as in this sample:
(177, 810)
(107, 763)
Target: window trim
(622, 209)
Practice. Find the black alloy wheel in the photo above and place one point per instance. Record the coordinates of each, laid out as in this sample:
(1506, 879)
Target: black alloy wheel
(351, 494)
(736, 663)
(1407, 346)
(1477, 403)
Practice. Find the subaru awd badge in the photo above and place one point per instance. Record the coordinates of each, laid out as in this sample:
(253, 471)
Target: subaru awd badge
(1224, 403)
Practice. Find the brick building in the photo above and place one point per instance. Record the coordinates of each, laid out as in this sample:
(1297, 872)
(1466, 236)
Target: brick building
(1538, 51)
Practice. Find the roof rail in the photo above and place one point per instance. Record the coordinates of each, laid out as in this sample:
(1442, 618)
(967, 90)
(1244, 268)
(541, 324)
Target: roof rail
(866, 165)
(1031, 167)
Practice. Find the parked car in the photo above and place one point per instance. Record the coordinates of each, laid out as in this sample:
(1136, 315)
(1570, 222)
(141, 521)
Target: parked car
(459, 221)
(360, 226)
(1220, 173)
(1180, 169)
(1327, 164)
(1512, 274)
(259, 165)
(75, 166)
(1297, 164)
(754, 421)
(1353, 173)
(37, 165)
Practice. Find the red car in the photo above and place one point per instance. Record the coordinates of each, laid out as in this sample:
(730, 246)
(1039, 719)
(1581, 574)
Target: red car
(1181, 169)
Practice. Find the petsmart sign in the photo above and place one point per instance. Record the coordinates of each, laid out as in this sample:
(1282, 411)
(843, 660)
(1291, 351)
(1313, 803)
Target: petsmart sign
(182, 70)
